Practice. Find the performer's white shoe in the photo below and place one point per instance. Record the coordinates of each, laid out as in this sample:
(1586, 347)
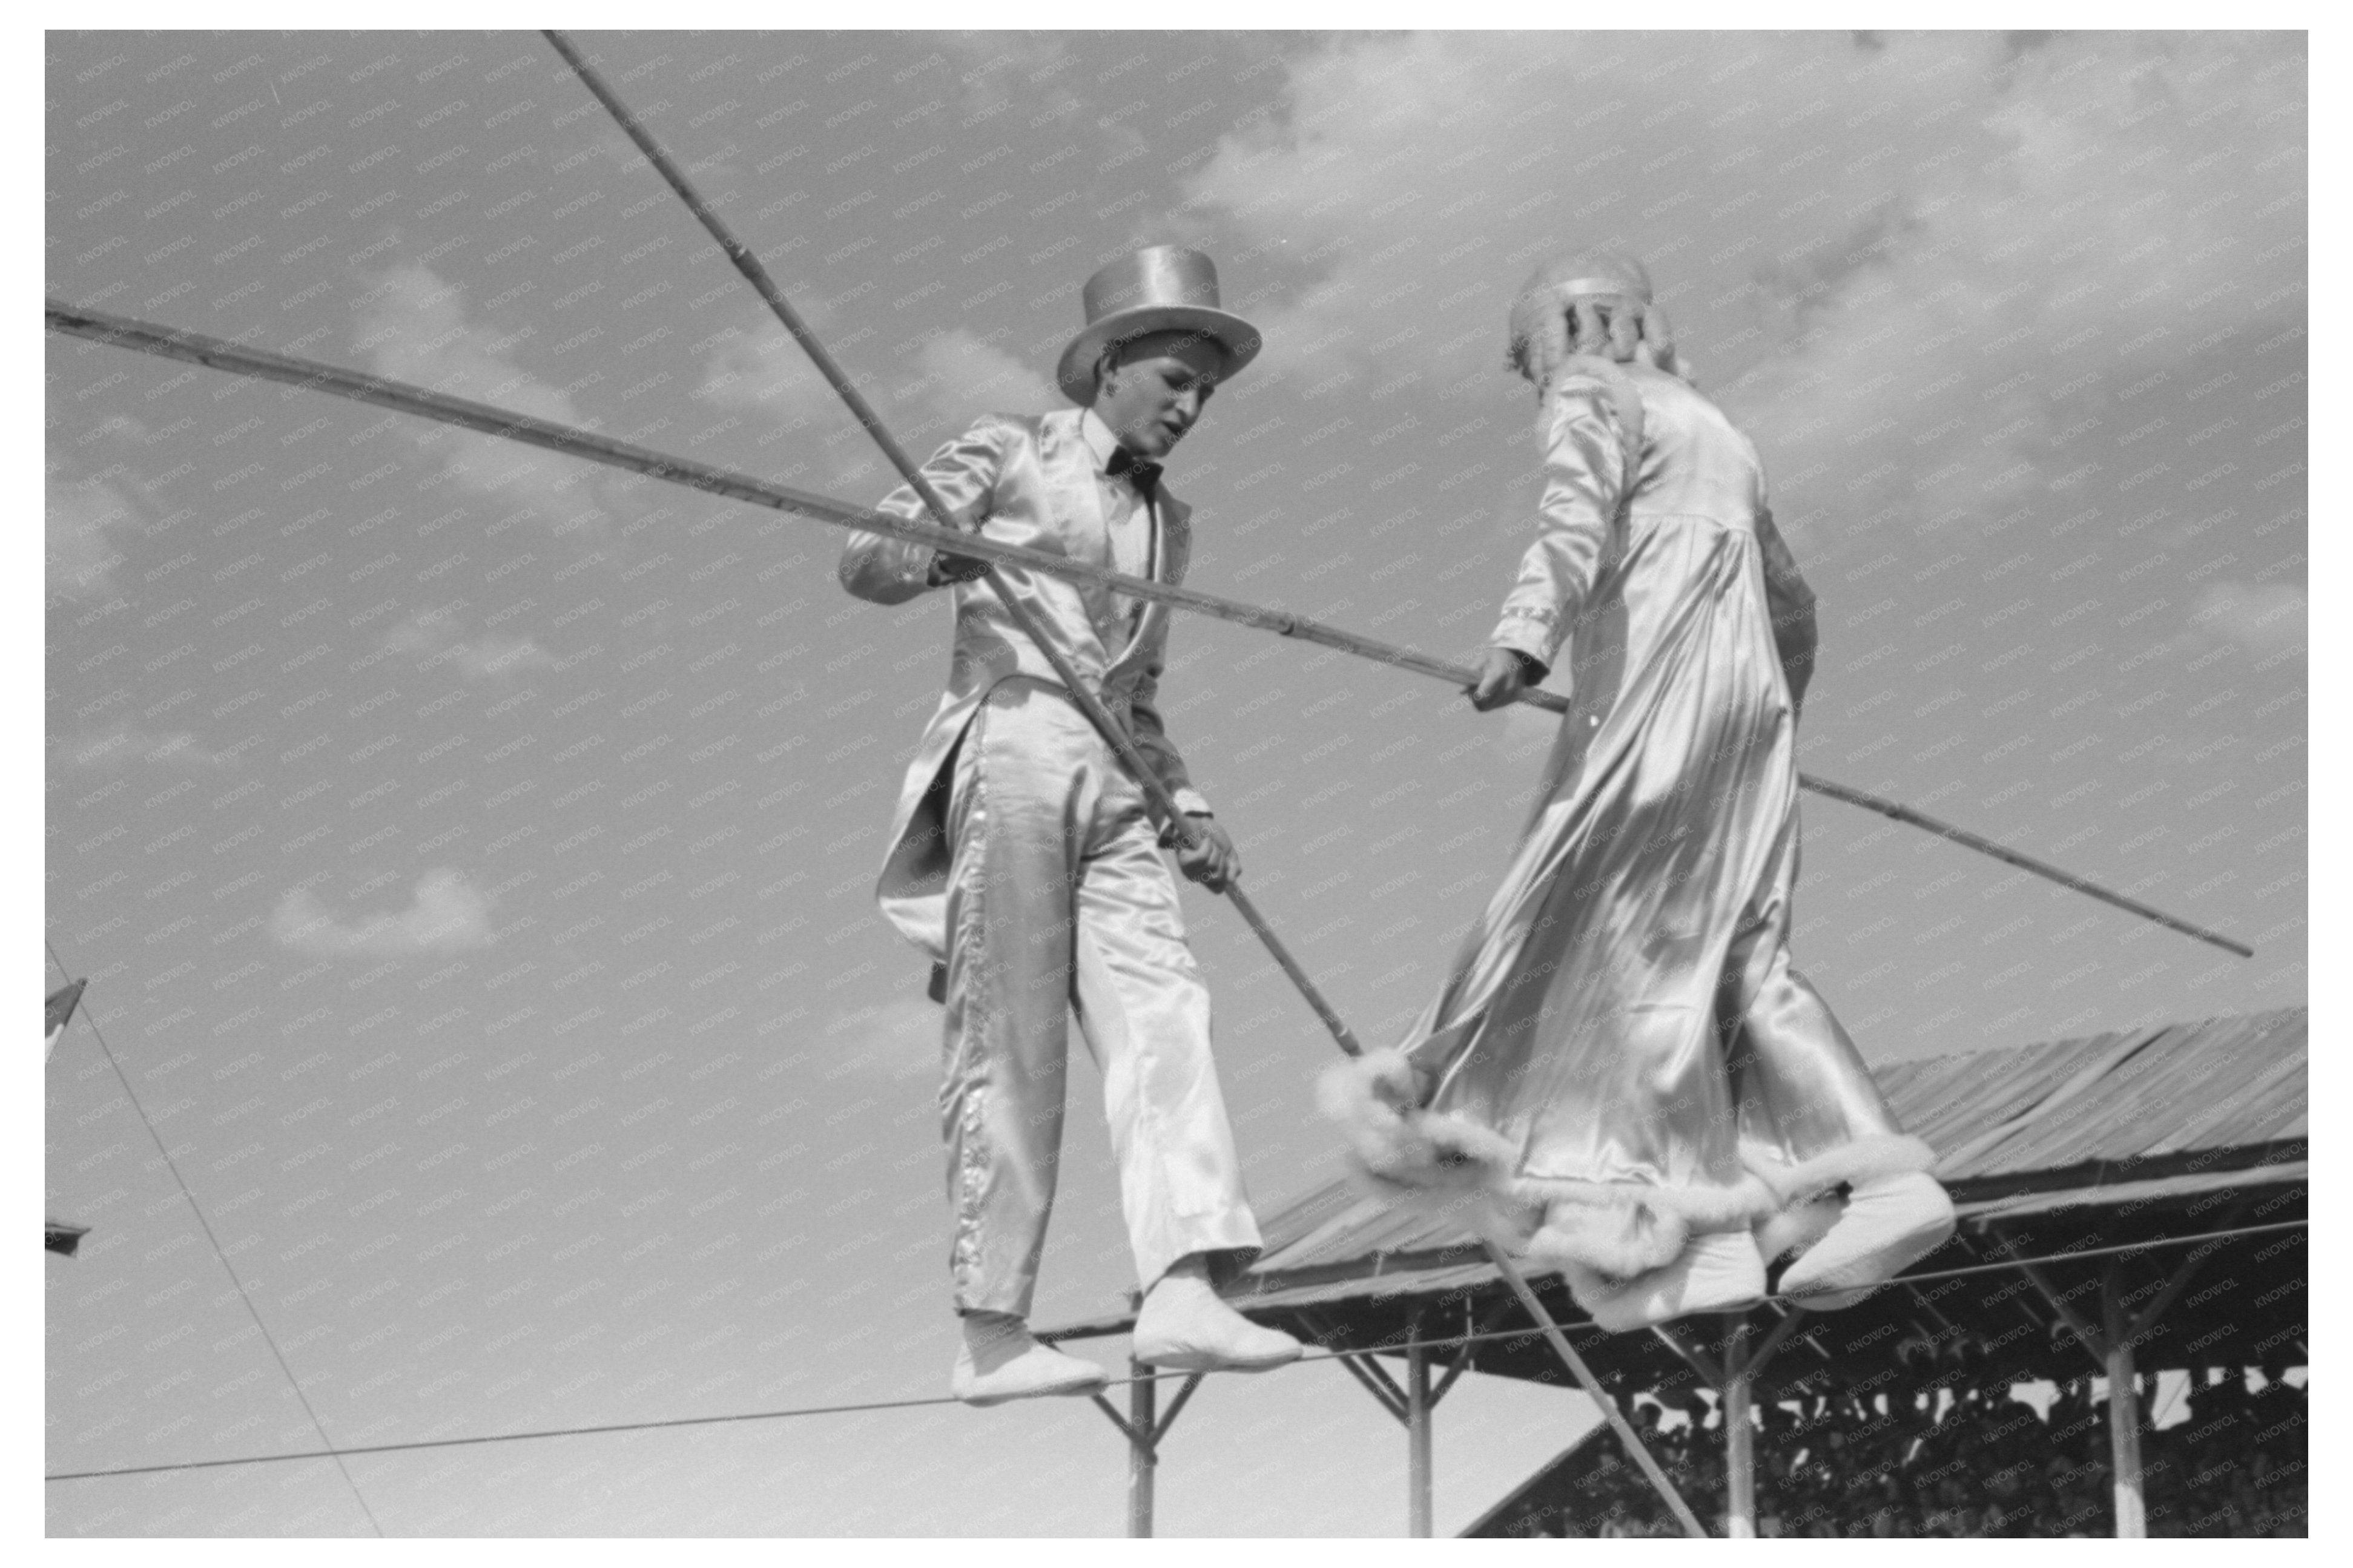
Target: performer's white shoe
(1184, 1327)
(999, 1361)
(1718, 1272)
(1890, 1223)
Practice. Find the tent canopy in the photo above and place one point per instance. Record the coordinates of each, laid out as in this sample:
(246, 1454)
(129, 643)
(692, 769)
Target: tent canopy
(2121, 1154)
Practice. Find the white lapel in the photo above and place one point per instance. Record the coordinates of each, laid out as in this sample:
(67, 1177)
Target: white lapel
(1076, 489)
(1163, 568)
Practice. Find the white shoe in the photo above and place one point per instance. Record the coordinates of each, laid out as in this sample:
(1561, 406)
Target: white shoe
(1796, 1228)
(1889, 1223)
(999, 1361)
(1719, 1272)
(1184, 1327)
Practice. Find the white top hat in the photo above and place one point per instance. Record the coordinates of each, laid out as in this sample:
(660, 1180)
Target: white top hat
(1162, 288)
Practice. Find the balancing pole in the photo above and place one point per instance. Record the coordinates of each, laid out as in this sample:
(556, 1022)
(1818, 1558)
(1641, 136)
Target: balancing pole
(749, 265)
(1593, 1390)
(1113, 734)
(315, 375)
(2010, 857)
(1101, 717)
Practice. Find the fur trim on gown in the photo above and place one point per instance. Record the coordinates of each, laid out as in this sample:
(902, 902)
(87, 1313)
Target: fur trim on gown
(1445, 1164)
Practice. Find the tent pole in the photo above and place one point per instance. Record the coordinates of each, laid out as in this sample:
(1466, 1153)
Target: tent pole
(1417, 1433)
(2123, 1418)
(1141, 1459)
(1739, 1438)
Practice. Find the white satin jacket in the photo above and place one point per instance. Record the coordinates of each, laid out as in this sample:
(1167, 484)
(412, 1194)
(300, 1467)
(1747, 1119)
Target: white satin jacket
(1032, 480)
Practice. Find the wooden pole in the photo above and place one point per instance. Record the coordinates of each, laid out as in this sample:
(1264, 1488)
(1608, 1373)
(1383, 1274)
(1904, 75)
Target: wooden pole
(1739, 1438)
(216, 353)
(1074, 686)
(1417, 1434)
(2124, 1418)
(1635, 1450)
(2010, 857)
(1088, 702)
(1142, 1459)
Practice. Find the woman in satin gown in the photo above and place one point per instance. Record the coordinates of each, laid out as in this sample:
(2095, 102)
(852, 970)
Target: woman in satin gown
(1623, 1063)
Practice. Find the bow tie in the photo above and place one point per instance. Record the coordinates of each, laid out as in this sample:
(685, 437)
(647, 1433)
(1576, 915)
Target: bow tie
(1144, 476)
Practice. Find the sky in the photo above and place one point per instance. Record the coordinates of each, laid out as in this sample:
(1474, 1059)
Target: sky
(472, 851)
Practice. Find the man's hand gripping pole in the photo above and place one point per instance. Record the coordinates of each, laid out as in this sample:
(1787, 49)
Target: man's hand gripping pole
(1164, 807)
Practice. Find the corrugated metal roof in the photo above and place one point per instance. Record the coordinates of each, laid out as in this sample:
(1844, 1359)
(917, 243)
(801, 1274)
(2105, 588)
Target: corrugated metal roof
(2176, 1090)
(2181, 1089)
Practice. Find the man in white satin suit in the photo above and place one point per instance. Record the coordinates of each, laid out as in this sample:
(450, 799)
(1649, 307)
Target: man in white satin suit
(1024, 859)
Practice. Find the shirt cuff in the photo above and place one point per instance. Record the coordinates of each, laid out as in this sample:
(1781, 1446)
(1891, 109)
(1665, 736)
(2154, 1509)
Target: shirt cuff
(1527, 635)
(1188, 800)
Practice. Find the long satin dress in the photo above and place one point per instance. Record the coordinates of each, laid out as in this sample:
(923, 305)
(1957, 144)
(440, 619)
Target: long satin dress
(1623, 1036)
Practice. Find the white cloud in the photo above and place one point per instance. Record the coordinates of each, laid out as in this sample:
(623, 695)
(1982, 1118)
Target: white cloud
(126, 744)
(448, 915)
(1836, 227)
(964, 377)
(433, 636)
(80, 556)
(957, 376)
(898, 1040)
(766, 371)
(414, 329)
(2268, 618)
(1034, 72)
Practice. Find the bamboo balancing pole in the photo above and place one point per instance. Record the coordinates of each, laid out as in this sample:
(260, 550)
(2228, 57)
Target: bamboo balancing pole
(314, 375)
(1114, 733)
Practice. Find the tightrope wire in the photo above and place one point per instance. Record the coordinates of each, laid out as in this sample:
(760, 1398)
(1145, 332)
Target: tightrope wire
(1323, 1355)
(90, 1015)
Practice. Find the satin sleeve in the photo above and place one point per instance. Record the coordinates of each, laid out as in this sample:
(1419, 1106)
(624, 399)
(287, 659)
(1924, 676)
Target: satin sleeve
(963, 471)
(1152, 739)
(1585, 477)
(1791, 602)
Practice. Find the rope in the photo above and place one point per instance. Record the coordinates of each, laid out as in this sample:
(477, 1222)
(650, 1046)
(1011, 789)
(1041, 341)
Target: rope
(2124, 1247)
(1532, 1332)
(90, 1013)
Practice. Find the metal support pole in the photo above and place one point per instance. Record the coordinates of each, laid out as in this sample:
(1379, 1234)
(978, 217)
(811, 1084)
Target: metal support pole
(2124, 1419)
(1417, 1436)
(1739, 1438)
(1142, 1459)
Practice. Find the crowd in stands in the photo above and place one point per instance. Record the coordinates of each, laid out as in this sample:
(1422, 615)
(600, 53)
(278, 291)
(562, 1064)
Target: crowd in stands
(1954, 1461)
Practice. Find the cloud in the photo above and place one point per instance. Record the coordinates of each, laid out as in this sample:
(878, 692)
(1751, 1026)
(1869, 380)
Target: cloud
(414, 330)
(1908, 266)
(764, 370)
(80, 556)
(2267, 618)
(999, 71)
(957, 376)
(125, 743)
(898, 1040)
(434, 634)
(447, 916)
(964, 377)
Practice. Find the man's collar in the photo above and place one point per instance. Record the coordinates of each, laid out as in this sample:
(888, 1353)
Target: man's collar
(1098, 438)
